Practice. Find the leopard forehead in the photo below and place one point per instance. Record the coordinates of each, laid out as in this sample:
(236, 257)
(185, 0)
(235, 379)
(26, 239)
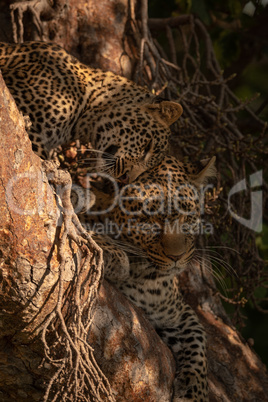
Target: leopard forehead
(131, 128)
(165, 179)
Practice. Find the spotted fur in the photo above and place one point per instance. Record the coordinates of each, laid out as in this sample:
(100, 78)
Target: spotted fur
(67, 100)
(148, 277)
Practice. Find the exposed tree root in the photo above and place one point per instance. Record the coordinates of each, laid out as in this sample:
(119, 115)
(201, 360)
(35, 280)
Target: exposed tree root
(77, 376)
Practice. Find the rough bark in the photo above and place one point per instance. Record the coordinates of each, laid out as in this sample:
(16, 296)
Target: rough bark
(137, 363)
(235, 372)
(28, 263)
(93, 31)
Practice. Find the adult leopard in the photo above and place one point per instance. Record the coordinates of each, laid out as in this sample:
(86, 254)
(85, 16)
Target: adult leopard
(145, 257)
(68, 100)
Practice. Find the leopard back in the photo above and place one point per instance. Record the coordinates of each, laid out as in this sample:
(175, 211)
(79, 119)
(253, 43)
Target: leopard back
(67, 100)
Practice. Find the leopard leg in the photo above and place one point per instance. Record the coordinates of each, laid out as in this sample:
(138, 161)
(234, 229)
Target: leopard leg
(38, 143)
(178, 326)
(116, 262)
(187, 341)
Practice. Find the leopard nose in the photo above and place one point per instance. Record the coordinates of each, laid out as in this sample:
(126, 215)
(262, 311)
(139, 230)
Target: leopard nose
(176, 257)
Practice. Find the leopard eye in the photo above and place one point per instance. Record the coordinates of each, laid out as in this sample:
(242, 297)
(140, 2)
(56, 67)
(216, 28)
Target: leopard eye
(111, 150)
(147, 148)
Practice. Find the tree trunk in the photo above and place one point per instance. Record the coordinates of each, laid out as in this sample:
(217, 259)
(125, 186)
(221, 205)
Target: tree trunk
(38, 284)
(93, 31)
(31, 259)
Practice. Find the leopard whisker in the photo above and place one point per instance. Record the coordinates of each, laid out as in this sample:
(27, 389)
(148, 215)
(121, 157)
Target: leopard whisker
(104, 169)
(100, 165)
(132, 250)
(94, 160)
(216, 275)
(220, 261)
(224, 247)
(218, 257)
(98, 161)
(128, 248)
(99, 152)
(224, 264)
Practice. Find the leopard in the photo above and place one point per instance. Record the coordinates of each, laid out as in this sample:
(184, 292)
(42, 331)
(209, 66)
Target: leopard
(144, 259)
(66, 100)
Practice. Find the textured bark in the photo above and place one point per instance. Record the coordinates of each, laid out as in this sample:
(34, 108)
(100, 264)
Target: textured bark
(235, 372)
(28, 223)
(139, 366)
(93, 31)
(28, 263)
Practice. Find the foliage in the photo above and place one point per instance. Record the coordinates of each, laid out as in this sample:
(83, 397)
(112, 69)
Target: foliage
(233, 32)
(240, 46)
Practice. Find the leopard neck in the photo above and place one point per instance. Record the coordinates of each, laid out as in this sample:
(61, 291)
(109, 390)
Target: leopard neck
(106, 89)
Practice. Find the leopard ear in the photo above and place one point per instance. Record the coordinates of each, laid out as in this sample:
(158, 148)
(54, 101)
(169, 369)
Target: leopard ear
(204, 174)
(165, 111)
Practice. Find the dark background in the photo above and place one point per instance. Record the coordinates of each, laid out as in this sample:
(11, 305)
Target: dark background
(240, 40)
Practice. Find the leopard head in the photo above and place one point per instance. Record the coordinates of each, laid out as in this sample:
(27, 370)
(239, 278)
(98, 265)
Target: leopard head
(133, 138)
(159, 213)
